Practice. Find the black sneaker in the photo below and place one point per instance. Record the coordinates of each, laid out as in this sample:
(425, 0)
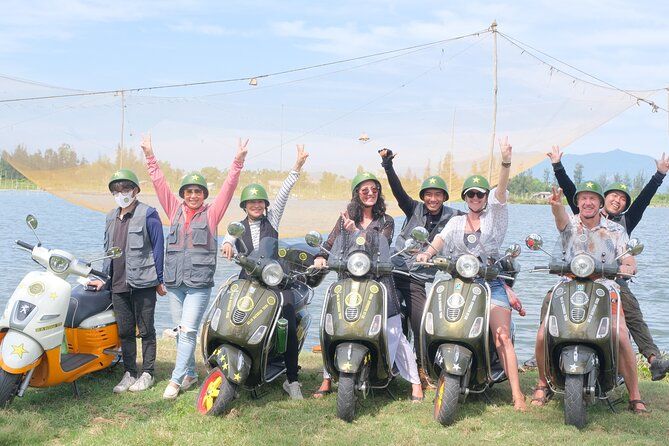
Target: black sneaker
(659, 367)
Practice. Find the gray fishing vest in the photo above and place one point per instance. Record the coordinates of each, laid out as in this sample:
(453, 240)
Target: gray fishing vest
(405, 260)
(140, 266)
(190, 255)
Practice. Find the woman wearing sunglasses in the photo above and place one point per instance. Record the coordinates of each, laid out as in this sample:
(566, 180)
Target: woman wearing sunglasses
(484, 228)
(367, 212)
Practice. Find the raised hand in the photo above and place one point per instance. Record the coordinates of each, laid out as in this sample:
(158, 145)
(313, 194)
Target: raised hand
(556, 197)
(387, 153)
(349, 225)
(241, 150)
(301, 157)
(506, 149)
(146, 145)
(555, 154)
(662, 164)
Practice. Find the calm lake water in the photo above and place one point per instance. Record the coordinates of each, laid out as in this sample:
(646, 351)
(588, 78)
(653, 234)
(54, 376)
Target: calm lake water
(80, 231)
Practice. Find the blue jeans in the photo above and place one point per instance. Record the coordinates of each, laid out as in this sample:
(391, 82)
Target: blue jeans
(498, 293)
(187, 306)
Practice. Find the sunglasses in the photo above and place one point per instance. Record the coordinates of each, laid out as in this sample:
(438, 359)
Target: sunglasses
(475, 193)
(369, 191)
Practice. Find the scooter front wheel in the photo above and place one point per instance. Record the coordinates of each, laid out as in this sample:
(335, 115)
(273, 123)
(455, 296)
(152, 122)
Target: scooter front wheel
(446, 402)
(216, 394)
(346, 397)
(574, 401)
(9, 387)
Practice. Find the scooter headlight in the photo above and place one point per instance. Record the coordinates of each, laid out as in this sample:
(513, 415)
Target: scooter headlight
(582, 265)
(467, 266)
(272, 274)
(358, 264)
(58, 264)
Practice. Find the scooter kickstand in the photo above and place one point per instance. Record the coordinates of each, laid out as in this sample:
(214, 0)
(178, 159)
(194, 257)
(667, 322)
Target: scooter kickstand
(486, 398)
(75, 390)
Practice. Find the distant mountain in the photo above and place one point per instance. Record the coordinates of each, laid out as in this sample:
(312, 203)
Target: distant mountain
(596, 164)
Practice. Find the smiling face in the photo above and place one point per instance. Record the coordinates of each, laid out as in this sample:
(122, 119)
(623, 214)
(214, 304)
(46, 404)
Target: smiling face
(588, 204)
(476, 200)
(255, 208)
(193, 196)
(434, 200)
(368, 192)
(615, 202)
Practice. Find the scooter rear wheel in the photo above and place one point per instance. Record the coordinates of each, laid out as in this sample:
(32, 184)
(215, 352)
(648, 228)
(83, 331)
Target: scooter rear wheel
(574, 401)
(446, 402)
(346, 397)
(9, 387)
(216, 394)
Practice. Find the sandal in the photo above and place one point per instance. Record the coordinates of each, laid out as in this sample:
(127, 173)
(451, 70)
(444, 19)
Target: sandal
(416, 399)
(632, 406)
(322, 393)
(545, 398)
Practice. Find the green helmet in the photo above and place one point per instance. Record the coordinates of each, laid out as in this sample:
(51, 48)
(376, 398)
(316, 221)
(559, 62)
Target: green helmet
(433, 182)
(477, 182)
(194, 179)
(253, 191)
(124, 175)
(362, 177)
(589, 186)
(622, 188)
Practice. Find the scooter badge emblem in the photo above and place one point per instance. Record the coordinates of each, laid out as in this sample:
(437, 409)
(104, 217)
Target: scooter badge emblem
(36, 288)
(599, 292)
(245, 304)
(353, 299)
(456, 367)
(572, 368)
(360, 241)
(440, 289)
(303, 256)
(374, 289)
(282, 252)
(19, 350)
(271, 300)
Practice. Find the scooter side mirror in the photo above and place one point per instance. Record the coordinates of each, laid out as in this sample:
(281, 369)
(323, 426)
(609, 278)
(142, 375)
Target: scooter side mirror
(114, 252)
(534, 242)
(420, 234)
(236, 229)
(634, 246)
(410, 244)
(31, 221)
(513, 250)
(313, 239)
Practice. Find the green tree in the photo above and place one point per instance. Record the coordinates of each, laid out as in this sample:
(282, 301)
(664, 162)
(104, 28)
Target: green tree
(578, 173)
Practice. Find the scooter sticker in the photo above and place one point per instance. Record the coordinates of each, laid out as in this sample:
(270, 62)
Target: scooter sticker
(360, 241)
(49, 327)
(245, 304)
(374, 289)
(19, 350)
(282, 252)
(303, 256)
(36, 288)
(353, 299)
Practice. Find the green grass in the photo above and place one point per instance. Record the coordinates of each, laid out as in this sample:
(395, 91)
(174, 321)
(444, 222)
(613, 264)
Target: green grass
(53, 416)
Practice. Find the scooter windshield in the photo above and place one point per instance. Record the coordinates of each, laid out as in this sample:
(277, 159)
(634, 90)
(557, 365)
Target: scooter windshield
(268, 248)
(369, 241)
(458, 242)
(601, 244)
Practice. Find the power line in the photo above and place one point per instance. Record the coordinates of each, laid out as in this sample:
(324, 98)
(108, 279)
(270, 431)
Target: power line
(246, 78)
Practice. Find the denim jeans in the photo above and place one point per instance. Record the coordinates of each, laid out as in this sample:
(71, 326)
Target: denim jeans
(187, 306)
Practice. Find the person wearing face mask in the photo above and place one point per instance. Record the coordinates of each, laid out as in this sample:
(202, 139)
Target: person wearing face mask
(135, 276)
(262, 221)
(432, 214)
(484, 228)
(190, 258)
(367, 212)
(619, 208)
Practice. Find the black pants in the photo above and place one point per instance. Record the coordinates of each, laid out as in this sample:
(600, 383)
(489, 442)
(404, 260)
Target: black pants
(292, 346)
(136, 308)
(633, 318)
(412, 294)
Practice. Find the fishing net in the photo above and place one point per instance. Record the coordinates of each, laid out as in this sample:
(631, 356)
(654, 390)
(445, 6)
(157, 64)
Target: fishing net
(432, 105)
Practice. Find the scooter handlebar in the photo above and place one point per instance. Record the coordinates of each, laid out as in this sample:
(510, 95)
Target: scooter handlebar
(25, 245)
(100, 274)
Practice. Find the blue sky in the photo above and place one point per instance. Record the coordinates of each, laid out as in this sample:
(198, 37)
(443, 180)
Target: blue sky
(95, 45)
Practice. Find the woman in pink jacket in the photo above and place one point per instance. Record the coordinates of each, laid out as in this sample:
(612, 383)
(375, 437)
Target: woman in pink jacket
(190, 255)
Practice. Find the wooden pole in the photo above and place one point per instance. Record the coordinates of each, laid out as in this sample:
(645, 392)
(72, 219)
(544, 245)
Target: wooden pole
(122, 126)
(493, 28)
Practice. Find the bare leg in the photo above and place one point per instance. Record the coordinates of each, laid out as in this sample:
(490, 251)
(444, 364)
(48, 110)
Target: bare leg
(500, 323)
(541, 392)
(627, 360)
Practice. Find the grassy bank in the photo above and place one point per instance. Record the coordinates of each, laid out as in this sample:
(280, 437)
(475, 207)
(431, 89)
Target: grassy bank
(52, 416)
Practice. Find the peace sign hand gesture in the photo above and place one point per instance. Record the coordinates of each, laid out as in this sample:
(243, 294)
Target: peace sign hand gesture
(556, 197)
(146, 145)
(506, 149)
(301, 158)
(241, 150)
(663, 164)
(349, 224)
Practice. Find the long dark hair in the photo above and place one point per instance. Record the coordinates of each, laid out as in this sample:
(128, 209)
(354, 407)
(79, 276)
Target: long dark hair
(355, 207)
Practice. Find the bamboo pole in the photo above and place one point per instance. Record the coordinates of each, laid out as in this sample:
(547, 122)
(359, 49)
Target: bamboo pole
(493, 28)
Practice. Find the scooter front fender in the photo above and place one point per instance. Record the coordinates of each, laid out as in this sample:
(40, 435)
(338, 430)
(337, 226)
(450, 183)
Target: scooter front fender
(19, 352)
(577, 360)
(453, 359)
(233, 362)
(350, 356)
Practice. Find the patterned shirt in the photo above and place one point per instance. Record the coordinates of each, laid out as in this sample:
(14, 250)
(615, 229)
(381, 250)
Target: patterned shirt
(606, 241)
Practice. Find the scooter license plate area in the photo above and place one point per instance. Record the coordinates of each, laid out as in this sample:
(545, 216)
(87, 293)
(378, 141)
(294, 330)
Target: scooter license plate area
(455, 306)
(576, 312)
(352, 306)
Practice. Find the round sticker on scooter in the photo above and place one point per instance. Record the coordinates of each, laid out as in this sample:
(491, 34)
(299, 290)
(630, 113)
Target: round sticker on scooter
(36, 288)
(245, 304)
(600, 292)
(360, 241)
(353, 299)
(476, 290)
(440, 289)
(373, 289)
(282, 252)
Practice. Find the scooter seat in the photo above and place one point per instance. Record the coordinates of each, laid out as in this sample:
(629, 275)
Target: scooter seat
(84, 304)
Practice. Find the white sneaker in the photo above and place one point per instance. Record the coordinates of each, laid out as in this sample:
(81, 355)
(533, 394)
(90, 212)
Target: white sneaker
(142, 383)
(171, 391)
(188, 382)
(125, 383)
(293, 389)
